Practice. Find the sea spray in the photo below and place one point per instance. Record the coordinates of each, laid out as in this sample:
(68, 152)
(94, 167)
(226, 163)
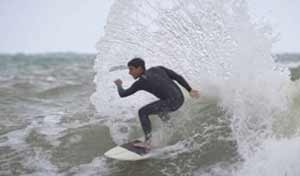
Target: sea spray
(214, 44)
(191, 37)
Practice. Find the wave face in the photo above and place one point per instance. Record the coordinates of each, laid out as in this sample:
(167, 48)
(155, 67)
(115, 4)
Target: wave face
(214, 44)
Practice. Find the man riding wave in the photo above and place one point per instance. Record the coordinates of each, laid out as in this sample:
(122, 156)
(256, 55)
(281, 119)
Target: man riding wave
(158, 81)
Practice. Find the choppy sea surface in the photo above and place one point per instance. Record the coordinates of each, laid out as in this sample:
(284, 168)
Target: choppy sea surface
(49, 126)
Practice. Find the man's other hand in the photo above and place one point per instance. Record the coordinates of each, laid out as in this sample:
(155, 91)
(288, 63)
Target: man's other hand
(118, 82)
(194, 93)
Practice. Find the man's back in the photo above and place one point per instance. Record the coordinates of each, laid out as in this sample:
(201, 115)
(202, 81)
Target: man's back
(157, 81)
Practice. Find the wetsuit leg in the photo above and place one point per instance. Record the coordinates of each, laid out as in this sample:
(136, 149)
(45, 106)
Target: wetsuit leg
(160, 107)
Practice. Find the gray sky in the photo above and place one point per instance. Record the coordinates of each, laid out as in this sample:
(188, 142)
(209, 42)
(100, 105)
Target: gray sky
(51, 25)
(76, 25)
(284, 16)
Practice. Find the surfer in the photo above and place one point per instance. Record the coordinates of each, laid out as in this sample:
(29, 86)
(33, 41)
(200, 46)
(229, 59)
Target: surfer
(158, 81)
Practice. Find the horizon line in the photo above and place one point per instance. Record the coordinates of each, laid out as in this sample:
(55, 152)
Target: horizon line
(46, 52)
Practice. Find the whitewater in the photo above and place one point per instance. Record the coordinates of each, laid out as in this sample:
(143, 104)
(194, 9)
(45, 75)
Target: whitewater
(218, 48)
(61, 112)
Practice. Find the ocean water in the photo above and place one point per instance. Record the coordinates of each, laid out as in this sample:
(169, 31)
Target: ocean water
(49, 127)
(60, 111)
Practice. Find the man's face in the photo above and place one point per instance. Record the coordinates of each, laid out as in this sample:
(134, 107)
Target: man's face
(135, 72)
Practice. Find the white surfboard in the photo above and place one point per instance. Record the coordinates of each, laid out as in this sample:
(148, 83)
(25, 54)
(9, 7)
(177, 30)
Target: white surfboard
(128, 152)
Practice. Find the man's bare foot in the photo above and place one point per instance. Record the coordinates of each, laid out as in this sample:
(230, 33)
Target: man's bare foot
(145, 145)
(142, 144)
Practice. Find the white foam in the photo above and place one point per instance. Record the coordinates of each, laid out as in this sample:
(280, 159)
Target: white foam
(276, 157)
(212, 43)
(16, 139)
(51, 126)
(41, 165)
(37, 160)
(97, 167)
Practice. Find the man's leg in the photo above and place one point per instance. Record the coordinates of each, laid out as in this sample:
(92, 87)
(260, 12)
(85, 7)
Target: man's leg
(157, 107)
(161, 108)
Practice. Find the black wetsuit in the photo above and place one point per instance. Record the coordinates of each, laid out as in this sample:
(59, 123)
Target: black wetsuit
(159, 82)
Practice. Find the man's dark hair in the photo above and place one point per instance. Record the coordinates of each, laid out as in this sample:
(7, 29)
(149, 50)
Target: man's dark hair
(137, 62)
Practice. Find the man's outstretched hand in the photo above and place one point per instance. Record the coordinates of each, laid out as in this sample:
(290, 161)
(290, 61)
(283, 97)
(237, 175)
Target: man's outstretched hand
(118, 82)
(194, 93)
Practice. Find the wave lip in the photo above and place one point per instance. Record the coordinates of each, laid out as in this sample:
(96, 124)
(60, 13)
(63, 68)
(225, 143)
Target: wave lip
(216, 47)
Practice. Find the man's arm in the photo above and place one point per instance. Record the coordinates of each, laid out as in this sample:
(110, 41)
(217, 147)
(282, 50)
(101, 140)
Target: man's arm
(126, 92)
(175, 76)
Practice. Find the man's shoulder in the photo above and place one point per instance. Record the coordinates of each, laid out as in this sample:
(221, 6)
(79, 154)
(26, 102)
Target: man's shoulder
(157, 67)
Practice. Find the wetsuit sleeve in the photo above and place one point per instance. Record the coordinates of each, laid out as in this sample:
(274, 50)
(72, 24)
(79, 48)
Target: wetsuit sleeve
(131, 90)
(175, 76)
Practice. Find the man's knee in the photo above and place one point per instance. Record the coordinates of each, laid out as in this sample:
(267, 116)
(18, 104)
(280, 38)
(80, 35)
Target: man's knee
(142, 112)
(164, 116)
(176, 104)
